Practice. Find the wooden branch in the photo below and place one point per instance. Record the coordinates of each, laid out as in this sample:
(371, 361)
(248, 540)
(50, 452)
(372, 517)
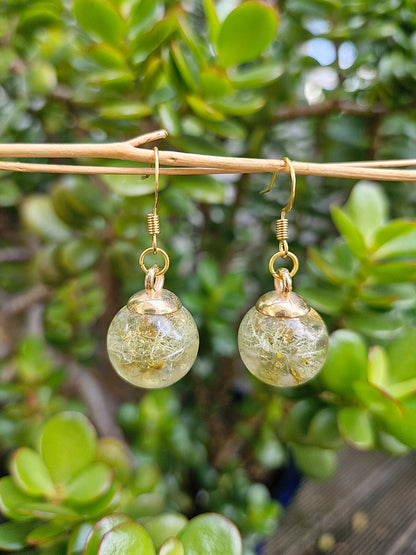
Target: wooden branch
(188, 163)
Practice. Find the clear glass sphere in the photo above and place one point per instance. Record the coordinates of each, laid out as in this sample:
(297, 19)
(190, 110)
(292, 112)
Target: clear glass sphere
(152, 350)
(283, 351)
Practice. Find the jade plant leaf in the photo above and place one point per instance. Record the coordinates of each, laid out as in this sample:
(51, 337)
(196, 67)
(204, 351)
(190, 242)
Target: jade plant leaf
(346, 362)
(395, 238)
(67, 445)
(356, 427)
(323, 429)
(78, 538)
(376, 400)
(104, 504)
(100, 528)
(13, 535)
(30, 473)
(100, 18)
(172, 546)
(314, 462)
(12, 499)
(90, 483)
(367, 207)
(212, 21)
(201, 188)
(246, 33)
(45, 533)
(128, 538)
(163, 526)
(378, 367)
(347, 228)
(211, 533)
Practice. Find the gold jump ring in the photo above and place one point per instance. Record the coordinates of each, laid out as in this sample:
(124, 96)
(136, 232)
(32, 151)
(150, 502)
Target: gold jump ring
(283, 254)
(160, 251)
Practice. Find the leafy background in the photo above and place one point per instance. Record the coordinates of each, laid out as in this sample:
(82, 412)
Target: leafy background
(314, 80)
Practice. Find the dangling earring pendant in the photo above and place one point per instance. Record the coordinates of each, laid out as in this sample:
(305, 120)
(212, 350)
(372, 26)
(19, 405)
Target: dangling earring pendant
(153, 341)
(282, 340)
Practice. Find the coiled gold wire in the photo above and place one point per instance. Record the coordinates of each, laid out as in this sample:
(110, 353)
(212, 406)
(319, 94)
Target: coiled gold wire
(153, 224)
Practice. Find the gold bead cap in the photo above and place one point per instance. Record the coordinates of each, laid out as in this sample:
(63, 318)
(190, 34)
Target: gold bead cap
(154, 302)
(282, 305)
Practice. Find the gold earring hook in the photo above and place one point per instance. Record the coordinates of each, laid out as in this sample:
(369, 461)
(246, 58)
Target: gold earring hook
(289, 205)
(156, 150)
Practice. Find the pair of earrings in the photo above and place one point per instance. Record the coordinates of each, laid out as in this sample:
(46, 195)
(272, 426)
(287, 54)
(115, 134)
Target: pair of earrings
(153, 341)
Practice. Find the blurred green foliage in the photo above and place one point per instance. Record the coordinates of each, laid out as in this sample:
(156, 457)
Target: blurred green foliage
(315, 80)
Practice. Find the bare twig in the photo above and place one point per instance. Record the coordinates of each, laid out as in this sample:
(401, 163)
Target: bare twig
(187, 163)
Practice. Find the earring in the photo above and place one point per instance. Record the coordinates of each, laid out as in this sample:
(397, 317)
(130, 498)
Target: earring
(282, 340)
(153, 340)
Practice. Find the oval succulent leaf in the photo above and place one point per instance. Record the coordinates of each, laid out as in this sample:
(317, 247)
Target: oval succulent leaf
(30, 473)
(100, 528)
(172, 546)
(67, 445)
(128, 538)
(246, 33)
(211, 533)
(163, 526)
(90, 483)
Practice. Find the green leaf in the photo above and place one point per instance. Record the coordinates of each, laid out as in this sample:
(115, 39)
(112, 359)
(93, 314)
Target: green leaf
(128, 538)
(164, 526)
(172, 546)
(114, 453)
(125, 110)
(389, 444)
(30, 473)
(211, 533)
(356, 427)
(299, 419)
(240, 105)
(132, 185)
(39, 216)
(329, 300)
(104, 504)
(401, 354)
(78, 538)
(323, 429)
(346, 362)
(403, 426)
(67, 445)
(48, 511)
(12, 499)
(213, 22)
(107, 56)
(146, 43)
(203, 109)
(184, 67)
(376, 400)
(45, 533)
(13, 535)
(90, 483)
(389, 239)
(201, 188)
(314, 462)
(101, 19)
(228, 129)
(100, 528)
(246, 33)
(393, 272)
(377, 325)
(378, 367)
(348, 230)
(257, 76)
(78, 255)
(367, 208)
(214, 83)
(404, 245)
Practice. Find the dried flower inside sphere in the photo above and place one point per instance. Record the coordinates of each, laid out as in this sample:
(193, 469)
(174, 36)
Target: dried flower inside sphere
(282, 340)
(153, 341)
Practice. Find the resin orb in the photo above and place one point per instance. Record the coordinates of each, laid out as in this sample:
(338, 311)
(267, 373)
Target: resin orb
(282, 340)
(153, 340)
